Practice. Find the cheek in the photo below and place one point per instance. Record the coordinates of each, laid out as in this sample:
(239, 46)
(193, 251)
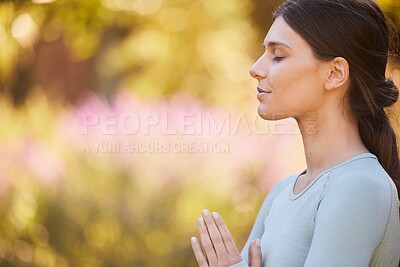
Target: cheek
(292, 76)
(283, 78)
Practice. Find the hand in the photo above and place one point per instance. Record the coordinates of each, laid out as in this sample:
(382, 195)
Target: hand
(219, 247)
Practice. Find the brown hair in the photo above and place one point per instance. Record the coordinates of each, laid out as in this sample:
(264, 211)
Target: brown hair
(358, 31)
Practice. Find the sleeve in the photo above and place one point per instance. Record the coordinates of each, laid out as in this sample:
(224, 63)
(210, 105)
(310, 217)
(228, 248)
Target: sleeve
(240, 264)
(258, 228)
(350, 221)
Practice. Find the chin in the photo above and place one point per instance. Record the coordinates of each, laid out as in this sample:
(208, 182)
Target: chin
(271, 116)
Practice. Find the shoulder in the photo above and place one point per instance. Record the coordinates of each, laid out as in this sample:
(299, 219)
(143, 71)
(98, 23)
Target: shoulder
(362, 186)
(361, 176)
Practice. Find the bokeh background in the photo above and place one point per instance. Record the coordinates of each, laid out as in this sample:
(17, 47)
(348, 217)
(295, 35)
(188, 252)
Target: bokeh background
(122, 119)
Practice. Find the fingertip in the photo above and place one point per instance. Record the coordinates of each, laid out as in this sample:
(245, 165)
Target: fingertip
(255, 256)
(205, 212)
(215, 215)
(200, 221)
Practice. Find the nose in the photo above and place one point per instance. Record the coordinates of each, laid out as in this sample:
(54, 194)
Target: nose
(258, 70)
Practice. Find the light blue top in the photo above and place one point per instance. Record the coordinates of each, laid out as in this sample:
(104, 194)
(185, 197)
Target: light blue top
(348, 216)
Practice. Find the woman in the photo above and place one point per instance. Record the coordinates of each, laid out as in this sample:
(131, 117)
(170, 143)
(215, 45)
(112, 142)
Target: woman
(324, 63)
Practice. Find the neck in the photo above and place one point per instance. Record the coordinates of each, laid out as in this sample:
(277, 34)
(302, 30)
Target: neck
(331, 140)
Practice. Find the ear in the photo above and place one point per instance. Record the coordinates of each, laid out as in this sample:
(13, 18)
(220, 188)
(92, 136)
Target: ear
(338, 73)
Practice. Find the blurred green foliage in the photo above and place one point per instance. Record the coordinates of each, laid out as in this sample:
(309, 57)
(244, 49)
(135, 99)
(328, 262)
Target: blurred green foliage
(155, 48)
(61, 205)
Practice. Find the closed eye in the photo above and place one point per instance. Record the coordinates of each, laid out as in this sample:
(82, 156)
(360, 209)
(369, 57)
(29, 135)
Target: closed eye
(277, 59)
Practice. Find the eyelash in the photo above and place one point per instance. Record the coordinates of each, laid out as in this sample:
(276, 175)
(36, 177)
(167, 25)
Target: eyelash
(277, 59)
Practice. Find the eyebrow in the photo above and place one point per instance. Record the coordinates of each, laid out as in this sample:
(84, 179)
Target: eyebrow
(276, 43)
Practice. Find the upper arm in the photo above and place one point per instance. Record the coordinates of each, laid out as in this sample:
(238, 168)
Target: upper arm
(350, 222)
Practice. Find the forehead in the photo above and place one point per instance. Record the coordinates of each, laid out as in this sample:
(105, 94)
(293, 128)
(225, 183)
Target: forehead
(280, 31)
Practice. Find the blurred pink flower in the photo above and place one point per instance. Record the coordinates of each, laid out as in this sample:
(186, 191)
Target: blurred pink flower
(99, 127)
(44, 164)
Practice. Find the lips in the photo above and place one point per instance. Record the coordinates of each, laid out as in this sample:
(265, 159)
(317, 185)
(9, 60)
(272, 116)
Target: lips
(262, 90)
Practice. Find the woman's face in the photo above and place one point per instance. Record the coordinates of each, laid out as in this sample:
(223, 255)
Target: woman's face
(290, 82)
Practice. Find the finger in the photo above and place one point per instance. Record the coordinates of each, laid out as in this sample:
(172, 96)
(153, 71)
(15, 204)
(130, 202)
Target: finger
(201, 260)
(206, 242)
(255, 257)
(215, 235)
(225, 234)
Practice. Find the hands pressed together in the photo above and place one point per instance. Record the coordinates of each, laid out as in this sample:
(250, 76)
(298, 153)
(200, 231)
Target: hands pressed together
(218, 245)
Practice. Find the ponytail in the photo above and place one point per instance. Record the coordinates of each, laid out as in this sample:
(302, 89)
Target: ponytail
(380, 139)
